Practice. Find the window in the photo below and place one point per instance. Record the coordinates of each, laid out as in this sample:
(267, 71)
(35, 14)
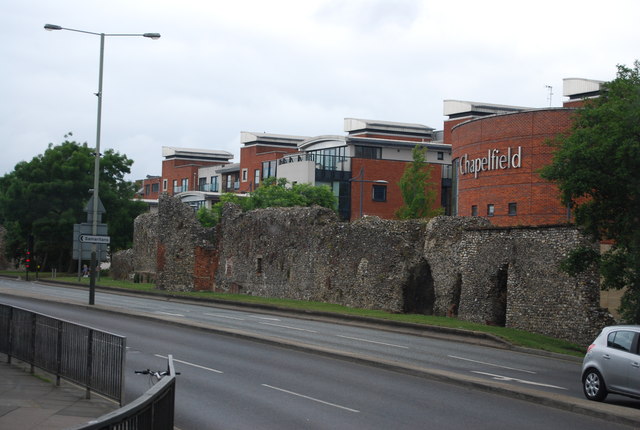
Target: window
(229, 182)
(379, 193)
(245, 174)
(621, 340)
(490, 210)
(371, 152)
(256, 177)
(214, 184)
(474, 210)
(440, 155)
(513, 209)
(154, 187)
(175, 186)
(164, 185)
(146, 189)
(185, 184)
(202, 184)
(269, 169)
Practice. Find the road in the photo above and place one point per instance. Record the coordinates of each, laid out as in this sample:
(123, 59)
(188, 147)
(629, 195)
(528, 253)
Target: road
(228, 382)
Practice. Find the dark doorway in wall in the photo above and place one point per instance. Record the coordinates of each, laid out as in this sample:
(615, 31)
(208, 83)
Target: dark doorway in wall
(418, 292)
(498, 297)
(452, 312)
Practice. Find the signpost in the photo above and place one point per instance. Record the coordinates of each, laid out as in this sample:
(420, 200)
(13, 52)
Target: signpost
(87, 238)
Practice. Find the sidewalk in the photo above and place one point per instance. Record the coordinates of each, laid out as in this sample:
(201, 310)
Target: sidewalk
(31, 402)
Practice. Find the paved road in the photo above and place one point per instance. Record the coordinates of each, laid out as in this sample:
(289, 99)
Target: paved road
(552, 375)
(275, 388)
(229, 383)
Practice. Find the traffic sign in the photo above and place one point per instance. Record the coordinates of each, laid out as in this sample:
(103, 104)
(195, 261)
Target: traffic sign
(85, 238)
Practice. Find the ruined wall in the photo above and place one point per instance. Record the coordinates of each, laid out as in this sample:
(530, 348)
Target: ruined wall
(511, 277)
(180, 239)
(456, 266)
(122, 265)
(307, 254)
(145, 243)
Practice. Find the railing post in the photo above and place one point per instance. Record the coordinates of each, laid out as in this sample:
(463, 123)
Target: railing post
(59, 354)
(123, 363)
(9, 335)
(32, 359)
(89, 361)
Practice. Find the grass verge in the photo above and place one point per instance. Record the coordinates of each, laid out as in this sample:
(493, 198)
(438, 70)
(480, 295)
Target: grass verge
(516, 337)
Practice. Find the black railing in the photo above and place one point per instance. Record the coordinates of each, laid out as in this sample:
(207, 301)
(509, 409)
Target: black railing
(89, 357)
(154, 410)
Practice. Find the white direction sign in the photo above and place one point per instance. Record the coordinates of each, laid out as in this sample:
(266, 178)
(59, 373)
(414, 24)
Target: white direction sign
(85, 238)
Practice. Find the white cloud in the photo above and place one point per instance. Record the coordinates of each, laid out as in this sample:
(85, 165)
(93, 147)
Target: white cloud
(285, 66)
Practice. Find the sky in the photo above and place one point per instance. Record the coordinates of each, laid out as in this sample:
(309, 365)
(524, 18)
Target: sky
(296, 67)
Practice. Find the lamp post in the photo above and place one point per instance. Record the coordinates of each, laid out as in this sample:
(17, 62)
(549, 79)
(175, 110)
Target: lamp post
(96, 168)
(360, 179)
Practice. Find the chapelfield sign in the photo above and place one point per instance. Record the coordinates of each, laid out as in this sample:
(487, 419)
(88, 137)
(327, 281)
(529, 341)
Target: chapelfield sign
(495, 160)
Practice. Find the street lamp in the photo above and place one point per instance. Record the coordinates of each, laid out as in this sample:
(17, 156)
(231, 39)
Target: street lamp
(360, 179)
(96, 170)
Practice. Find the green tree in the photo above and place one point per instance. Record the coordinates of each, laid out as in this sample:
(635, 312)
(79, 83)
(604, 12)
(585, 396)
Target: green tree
(47, 195)
(272, 193)
(596, 166)
(417, 192)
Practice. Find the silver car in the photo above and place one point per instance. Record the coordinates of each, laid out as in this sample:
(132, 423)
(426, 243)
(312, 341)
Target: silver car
(612, 363)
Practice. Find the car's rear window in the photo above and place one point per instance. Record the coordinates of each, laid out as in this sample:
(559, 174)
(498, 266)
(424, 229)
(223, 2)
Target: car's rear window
(621, 340)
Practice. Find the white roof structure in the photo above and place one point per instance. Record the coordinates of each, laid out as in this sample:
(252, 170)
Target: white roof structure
(575, 88)
(460, 108)
(195, 154)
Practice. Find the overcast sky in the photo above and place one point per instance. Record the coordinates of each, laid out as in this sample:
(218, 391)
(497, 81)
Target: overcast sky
(285, 66)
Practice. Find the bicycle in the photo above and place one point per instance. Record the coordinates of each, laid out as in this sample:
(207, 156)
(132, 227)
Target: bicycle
(154, 375)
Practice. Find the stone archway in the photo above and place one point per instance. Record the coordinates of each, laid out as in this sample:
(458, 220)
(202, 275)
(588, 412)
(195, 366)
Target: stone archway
(418, 293)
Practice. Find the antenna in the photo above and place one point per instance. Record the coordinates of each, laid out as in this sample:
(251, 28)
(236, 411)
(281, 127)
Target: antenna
(550, 96)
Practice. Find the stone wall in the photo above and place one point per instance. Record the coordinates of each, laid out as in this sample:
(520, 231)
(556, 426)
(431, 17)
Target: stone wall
(307, 254)
(455, 266)
(180, 238)
(145, 243)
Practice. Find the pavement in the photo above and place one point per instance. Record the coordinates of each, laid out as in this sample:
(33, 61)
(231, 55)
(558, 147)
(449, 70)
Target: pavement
(35, 402)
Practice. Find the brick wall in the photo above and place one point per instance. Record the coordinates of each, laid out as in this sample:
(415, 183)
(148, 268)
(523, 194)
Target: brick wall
(537, 200)
(251, 159)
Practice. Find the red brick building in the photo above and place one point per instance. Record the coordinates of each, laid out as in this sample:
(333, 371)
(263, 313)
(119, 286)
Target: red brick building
(364, 167)
(180, 167)
(259, 154)
(497, 153)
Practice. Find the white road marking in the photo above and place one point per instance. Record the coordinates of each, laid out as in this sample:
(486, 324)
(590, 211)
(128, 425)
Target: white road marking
(311, 398)
(522, 381)
(191, 364)
(491, 364)
(169, 313)
(289, 327)
(264, 318)
(373, 341)
(224, 316)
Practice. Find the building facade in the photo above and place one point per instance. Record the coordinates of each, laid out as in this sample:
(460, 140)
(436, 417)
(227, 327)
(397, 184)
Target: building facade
(497, 154)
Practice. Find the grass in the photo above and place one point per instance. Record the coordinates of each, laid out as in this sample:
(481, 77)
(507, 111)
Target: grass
(515, 337)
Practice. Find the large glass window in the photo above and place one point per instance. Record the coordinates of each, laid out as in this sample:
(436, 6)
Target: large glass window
(214, 184)
(329, 158)
(269, 169)
(372, 152)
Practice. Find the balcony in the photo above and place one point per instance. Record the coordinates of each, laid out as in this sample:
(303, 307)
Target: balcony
(211, 188)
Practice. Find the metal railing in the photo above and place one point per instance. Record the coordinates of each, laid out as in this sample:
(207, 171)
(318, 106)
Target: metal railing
(154, 410)
(89, 357)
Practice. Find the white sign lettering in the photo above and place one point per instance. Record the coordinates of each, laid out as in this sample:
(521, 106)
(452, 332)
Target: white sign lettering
(493, 161)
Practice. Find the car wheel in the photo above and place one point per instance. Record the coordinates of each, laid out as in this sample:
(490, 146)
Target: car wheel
(593, 385)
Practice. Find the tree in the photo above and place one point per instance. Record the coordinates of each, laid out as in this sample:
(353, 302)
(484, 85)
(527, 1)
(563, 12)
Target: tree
(596, 166)
(417, 192)
(46, 196)
(272, 193)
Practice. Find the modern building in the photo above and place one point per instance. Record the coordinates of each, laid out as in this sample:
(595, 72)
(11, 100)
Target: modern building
(497, 154)
(364, 167)
(180, 167)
